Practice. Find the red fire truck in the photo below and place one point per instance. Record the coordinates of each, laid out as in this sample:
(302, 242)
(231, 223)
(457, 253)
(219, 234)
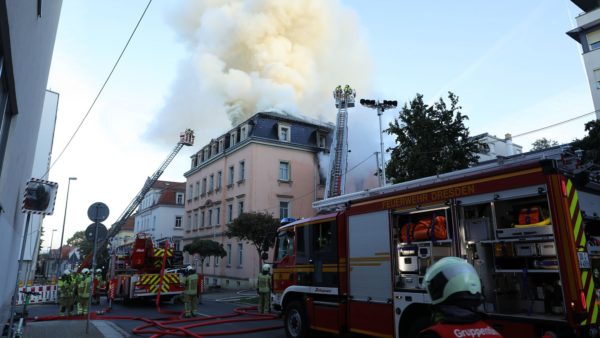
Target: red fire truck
(529, 224)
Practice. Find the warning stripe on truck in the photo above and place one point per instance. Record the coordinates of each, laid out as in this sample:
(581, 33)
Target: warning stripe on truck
(153, 279)
(580, 243)
(160, 252)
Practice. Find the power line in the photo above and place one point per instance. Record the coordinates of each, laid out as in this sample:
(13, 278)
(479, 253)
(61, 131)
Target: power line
(101, 88)
(555, 124)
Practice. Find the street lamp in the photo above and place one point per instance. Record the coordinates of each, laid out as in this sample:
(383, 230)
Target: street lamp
(51, 240)
(381, 107)
(62, 234)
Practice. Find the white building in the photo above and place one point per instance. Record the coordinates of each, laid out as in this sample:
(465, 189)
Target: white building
(497, 147)
(27, 35)
(587, 34)
(161, 212)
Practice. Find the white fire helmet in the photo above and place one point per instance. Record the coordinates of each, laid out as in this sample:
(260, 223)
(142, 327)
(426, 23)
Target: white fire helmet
(85, 271)
(67, 272)
(189, 268)
(98, 270)
(266, 268)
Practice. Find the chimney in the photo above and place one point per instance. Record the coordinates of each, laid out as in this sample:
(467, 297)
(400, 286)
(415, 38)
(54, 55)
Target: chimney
(509, 144)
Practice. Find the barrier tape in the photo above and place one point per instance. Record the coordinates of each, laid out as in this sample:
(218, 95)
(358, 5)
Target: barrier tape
(47, 294)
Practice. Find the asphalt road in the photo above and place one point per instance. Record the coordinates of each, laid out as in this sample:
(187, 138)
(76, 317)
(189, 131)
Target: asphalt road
(222, 303)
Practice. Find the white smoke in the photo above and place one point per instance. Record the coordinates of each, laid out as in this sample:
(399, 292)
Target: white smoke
(255, 55)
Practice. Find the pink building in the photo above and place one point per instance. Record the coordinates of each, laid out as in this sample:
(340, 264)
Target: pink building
(267, 163)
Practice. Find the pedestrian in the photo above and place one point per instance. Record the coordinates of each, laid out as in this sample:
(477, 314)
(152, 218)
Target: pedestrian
(83, 292)
(65, 294)
(264, 290)
(190, 292)
(455, 291)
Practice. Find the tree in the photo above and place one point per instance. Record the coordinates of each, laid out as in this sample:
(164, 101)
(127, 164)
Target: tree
(543, 143)
(590, 144)
(259, 228)
(85, 248)
(41, 240)
(205, 248)
(430, 140)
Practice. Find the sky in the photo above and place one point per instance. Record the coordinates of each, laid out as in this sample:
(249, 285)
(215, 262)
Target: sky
(208, 64)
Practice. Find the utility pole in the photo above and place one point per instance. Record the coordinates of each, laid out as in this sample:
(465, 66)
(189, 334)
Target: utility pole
(380, 107)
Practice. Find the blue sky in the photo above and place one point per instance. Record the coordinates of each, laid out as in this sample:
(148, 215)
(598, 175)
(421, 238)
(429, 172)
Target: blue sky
(510, 62)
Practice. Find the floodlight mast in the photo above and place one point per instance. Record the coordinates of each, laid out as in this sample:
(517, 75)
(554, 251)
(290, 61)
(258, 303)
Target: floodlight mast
(380, 106)
(338, 153)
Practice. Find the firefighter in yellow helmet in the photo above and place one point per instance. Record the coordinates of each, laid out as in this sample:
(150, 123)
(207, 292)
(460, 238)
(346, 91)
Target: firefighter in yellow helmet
(98, 284)
(264, 290)
(83, 292)
(190, 292)
(65, 294)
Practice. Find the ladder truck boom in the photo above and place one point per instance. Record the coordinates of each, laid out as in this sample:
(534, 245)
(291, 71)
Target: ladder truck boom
(336, 179)
(185, 139)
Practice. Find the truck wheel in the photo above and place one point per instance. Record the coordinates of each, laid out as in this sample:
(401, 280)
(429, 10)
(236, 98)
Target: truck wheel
(295, 321)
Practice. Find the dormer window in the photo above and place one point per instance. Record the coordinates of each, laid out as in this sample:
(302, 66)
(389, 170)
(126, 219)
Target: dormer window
(284, 132)
(232, 138)
(215, 148)
(321, 139)
(243, 133)
(221, 143)
(206, 153)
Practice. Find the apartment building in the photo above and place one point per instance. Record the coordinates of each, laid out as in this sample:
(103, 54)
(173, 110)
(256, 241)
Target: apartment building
(587, 34)
(270, 163)
(161, 212)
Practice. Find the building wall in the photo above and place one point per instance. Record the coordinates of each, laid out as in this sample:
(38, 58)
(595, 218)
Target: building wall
(27, 42)
(259, 190)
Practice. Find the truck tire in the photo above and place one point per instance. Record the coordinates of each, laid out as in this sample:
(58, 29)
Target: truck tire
(295, 320)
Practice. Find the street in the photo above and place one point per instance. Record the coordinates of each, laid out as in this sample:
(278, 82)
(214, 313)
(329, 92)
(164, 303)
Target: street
(138, 316)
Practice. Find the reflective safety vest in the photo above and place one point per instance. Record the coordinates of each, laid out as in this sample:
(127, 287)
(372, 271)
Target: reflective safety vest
(479, 329)
(190, 284)
(65, 287)
(264, 283)
(83, 288)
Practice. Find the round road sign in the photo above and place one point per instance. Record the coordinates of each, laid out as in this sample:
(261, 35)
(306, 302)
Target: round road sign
(90, 232)
(98, 212)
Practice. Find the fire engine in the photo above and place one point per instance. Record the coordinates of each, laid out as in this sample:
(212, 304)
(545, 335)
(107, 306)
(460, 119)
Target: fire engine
(528, 223)
(144, 268)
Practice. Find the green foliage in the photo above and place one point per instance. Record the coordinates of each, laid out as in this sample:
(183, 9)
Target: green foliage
(85, 248)
(590, 144)
(543, 143)
(41, 240)
(205, 248)
(430, 140)
(259, 228)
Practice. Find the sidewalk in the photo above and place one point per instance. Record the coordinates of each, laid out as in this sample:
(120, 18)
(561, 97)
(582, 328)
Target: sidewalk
(73, 328)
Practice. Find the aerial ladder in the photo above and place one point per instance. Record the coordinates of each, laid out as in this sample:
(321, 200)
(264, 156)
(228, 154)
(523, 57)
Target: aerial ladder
(338, 153)
(185, 139)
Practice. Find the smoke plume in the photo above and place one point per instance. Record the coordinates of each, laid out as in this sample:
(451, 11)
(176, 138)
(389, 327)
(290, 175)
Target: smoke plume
(257, 55)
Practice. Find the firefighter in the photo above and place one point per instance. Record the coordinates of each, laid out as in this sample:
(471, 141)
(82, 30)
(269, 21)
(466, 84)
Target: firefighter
(65, 294)
(264, 290)
(455, 291)
(190, 292)
(83, 292)
(98, 284)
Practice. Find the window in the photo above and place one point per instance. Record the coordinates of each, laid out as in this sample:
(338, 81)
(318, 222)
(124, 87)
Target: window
(221, 145)
(284, 209)
(230, 172)
(593, 39)
(242, 170)
(189, 222)
(195, 221)
(215, 148)
(211, 182)
(229, 213)
(179, 198)
(178, 221)
(321, 140)
(177, 245)
(285, 244)
(240, 207)
(219, 179)
(228, 254)
(284, 132)
(240, 254)
(204, 186)
(210, 216)
(597, 78)
(284, 171)
(243, 133)
(217, 215)
(216, 260)
(202, 214)
(232, 139)
(206, 153)
(190, 192)
(197, 192)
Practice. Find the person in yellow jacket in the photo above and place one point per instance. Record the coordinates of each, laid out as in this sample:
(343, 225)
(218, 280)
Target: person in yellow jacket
(190, 292)
(65, 294)
(83, 292)
(98, 285)
(264, 290)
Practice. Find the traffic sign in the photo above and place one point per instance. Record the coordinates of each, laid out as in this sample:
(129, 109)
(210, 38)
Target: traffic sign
(98, 212)
(90, 232)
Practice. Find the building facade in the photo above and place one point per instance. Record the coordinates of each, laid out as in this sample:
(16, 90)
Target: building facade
(268, 163)
(587, 34)
(497, 147)
(27, 35)
(161, 213)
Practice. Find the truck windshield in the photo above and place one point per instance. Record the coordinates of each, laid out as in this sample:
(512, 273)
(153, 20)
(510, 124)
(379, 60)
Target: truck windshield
(285, 244)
